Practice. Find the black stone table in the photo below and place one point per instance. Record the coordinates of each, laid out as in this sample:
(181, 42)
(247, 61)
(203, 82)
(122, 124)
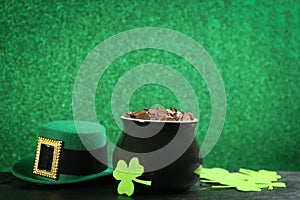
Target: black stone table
(105, 188)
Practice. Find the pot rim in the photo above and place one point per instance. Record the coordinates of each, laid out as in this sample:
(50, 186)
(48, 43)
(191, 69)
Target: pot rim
(159, 121)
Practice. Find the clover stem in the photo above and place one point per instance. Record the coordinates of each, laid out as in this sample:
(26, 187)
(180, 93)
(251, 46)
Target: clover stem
(142, 182)
(222, 186)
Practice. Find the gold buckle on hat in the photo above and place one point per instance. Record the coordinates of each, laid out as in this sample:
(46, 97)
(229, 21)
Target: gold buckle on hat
(57, 145)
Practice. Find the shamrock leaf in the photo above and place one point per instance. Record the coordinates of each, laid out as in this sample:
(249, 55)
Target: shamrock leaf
(198, 170)
(262, 176)
(126, 187)
(128, 174)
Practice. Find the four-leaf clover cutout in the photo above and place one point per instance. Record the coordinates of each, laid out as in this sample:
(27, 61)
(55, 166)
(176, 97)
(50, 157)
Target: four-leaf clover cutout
(128, 174)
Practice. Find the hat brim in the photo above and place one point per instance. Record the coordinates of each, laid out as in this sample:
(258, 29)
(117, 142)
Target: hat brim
(24, 170)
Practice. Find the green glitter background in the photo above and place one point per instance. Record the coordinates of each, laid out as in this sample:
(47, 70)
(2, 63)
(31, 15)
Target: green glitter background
(255, 45)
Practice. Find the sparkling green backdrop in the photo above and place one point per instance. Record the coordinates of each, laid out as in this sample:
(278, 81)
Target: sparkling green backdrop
(254, 43)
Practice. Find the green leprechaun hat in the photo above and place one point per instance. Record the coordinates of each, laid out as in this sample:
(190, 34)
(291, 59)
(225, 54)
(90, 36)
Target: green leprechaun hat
(62, 157)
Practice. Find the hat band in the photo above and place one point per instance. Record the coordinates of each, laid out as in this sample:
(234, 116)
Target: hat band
(74, 162)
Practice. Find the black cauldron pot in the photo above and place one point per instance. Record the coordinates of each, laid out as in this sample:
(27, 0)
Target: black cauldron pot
(168, 151)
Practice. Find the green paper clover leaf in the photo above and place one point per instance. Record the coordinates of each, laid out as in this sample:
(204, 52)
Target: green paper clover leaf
(198, 170)
(261, 175)
(128, 174)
